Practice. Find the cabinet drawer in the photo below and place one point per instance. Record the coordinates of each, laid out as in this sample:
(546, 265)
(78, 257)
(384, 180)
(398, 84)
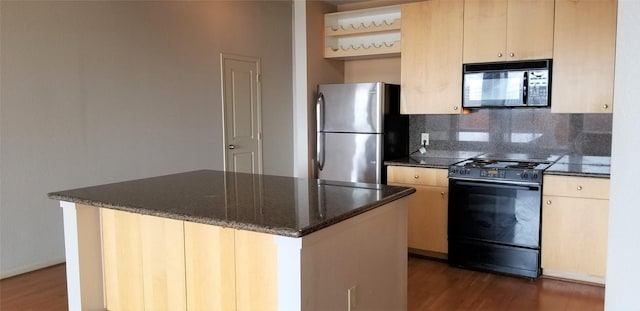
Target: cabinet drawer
(417, 176)
(580, 187)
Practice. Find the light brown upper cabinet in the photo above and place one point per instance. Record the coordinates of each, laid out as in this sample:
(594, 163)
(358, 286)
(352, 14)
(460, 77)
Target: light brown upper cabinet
(431, 59)
(507, 30)
(584, 56)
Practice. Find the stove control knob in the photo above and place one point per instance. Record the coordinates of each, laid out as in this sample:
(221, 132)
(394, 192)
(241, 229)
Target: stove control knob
(535, 176)
(525, 175)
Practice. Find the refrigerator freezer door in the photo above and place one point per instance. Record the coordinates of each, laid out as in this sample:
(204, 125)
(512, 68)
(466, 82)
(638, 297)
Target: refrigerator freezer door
(351, 157)
(354, 107)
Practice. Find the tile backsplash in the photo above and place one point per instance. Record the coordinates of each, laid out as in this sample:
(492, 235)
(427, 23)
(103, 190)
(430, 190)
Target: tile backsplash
(522, 130)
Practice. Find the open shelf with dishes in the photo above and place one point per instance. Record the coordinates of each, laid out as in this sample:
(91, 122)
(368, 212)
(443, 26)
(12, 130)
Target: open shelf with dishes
(361, 33)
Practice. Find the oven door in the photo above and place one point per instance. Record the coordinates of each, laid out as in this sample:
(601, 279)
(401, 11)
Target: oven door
(496, 212)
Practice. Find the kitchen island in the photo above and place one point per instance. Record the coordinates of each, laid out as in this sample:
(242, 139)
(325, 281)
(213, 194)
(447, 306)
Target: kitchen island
(214, 240)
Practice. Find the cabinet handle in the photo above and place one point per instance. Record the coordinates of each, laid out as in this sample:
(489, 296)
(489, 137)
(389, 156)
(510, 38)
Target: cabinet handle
(442, 193)
(416, 176)
(499, 54)
(579, 188)
(605, 106)
(455, 108)
(548, 202)
(512, 54)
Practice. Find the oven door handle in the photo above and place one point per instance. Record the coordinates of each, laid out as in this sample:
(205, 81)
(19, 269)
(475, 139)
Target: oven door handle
(495, 185)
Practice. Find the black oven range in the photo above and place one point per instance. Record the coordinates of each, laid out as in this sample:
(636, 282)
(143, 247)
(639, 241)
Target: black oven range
(495, 213)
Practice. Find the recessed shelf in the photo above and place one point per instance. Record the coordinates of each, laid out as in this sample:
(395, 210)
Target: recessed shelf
(367, 32)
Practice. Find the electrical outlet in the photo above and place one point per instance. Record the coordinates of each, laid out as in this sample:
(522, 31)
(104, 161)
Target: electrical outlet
(424, 139)
(351, 296)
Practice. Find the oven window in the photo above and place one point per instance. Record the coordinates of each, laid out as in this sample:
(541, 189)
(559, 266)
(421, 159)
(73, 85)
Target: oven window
(495, 212)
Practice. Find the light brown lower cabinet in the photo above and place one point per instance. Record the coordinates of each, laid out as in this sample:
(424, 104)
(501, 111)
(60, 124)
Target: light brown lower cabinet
(210, 277)
(143, 262)
(154, 263)
(575, 217)
(122, 260)
(428, 213)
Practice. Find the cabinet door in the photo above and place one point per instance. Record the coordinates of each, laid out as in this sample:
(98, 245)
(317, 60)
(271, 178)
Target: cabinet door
(210, 267)
(574, 237)
(122, 260)
(431, 60)
(256, 259)
(485, 31)
(428, 219)
(583, 56)
(143, 261)
(162, 244)
(529, 29)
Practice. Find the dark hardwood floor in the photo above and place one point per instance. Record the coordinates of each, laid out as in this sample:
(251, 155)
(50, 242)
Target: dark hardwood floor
(437, 286)
(432, 285)
(44, 289)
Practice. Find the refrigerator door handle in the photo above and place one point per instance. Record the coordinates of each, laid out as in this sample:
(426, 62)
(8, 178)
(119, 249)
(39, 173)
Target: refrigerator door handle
(319, 127)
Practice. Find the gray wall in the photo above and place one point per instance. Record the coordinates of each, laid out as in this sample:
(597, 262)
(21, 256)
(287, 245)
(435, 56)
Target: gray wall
(623, 270)
(96, 92)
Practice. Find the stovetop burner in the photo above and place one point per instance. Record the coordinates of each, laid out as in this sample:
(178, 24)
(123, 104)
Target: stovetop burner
(479, 163)
(518, 169)
(524, 165)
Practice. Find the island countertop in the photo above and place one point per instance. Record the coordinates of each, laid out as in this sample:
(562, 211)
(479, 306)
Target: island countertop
(278, 205)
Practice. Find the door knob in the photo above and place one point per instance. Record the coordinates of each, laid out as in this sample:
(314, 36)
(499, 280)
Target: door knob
(232, 147)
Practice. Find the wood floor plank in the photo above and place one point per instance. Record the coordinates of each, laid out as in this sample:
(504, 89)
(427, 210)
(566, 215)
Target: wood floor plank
(437, 286)
(432, 285)
(44, 289)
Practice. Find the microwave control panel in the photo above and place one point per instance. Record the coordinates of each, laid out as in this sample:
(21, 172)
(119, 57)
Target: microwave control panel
(538, 88)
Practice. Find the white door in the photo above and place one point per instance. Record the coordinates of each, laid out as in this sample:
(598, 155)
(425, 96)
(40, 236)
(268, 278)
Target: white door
(242, 115)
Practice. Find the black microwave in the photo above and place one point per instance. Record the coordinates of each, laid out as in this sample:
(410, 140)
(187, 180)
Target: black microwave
(507, 84)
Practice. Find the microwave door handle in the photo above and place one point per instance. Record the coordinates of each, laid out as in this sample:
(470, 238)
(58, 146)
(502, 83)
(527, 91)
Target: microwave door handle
(525, 83)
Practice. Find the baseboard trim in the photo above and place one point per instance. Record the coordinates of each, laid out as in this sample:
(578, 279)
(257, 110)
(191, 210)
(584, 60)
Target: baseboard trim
(574, 277)
(31, 267)
(429, 254)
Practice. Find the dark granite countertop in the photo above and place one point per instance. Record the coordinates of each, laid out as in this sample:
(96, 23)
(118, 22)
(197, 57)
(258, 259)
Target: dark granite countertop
(433, 159)
(582, 166)
(278, 205)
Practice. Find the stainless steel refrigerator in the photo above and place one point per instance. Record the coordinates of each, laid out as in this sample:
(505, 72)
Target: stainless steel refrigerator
(359, 126)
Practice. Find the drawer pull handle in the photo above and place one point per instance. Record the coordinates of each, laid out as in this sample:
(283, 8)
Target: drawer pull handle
(499, 54)
(416, 176)
(548, 202)
(579, 188)
(512, 54)
(442, 193)
(605, 106)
